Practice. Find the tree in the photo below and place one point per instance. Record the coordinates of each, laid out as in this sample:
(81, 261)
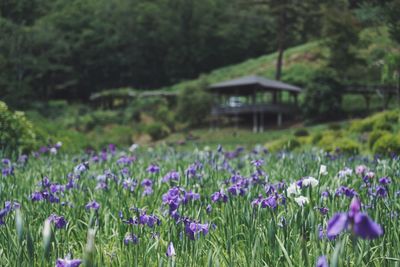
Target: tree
(341, 30)
(323, 97)
(290, 19)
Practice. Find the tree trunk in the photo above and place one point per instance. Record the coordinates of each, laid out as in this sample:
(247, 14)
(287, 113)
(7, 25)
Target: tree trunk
(278, 72)
(281, 44)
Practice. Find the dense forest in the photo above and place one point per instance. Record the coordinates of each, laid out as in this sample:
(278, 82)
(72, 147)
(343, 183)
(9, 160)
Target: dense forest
(68, 49)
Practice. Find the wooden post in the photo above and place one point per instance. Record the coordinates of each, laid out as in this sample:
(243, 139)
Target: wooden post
(255, 121)
(279, 119)
(367, 98)
(261, 121)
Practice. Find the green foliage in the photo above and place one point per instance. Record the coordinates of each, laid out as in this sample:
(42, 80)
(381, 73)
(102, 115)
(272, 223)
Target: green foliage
(379, 121)
(374, 136)
(157, 130)
(285, 144)
(344, 145)
(301, 132)
(194, 105)
(387, 144)
(341, 29)
(392, 16)
(17, 133)
(322, 100)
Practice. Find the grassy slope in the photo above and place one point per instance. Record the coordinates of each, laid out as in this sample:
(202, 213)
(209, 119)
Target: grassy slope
(301, 61)
(307, 55)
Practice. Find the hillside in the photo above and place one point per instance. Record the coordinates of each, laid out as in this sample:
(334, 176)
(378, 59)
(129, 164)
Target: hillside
(299, 62)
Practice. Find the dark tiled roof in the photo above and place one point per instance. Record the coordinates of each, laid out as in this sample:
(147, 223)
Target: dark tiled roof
(247, 82)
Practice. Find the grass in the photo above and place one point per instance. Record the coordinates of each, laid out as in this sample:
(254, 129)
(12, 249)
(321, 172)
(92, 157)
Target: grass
(300, 62)
(239, 234)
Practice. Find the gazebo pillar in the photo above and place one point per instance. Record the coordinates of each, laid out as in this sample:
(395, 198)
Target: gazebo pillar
(253, 100)
(279, 119)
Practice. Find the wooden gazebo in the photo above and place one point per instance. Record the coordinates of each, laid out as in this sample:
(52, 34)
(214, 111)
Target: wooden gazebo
(256, 96)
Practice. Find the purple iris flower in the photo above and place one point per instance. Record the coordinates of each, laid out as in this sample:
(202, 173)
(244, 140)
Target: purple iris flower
(37, 196)
(8, 207)
(149, 220)
(68, 262)
(172, 198)
(131, 239)
(55, 188)
(129, 184)
(323, 210)
(325, 194)
(360, 224)
(190, 196)
(170, 250)
(59, 221)
(147, 182)
(148, 190)
(348, 192)
(269, 202)
(112, 148)
(194, 229)
(92, 205)
(101, 186)
(209, 209)
(191, 170)
(153, 168)
(237, 190)
(219, 196)
(81, 168)
(125, 160)
(385, 180)
(257, 163)
(172, 175)
(381, 191)
(322, 262)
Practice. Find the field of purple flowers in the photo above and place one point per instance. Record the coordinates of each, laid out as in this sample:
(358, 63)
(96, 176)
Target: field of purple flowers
(210, 207)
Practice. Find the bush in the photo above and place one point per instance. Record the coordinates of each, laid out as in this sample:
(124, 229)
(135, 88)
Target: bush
(301, 132)
(374, 136)
(387, 144)
(96, 118)
(379, 121)
(194, 105)
(383, 125)
(342, 145)
(283, 145)
(157, 130)
(323, 96)
(334, 126)
(17, 133)
(361, 126)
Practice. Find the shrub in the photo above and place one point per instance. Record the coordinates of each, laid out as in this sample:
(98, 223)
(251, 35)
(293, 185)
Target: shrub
(334, 126)
(323, 96)
(194, 105)
(283, 145)
(315, 138)
(361, 126)
(383, 125)
(374, 136)
(344, 145)
(387, 144)
(379, 121)
(156, 130)
(301, 132)
(17, 133)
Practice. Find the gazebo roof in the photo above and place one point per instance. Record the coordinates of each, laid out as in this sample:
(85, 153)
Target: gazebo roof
(247, 84)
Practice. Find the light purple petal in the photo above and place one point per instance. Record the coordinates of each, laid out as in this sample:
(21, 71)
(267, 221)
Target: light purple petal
(365, 227)
(337, 224)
